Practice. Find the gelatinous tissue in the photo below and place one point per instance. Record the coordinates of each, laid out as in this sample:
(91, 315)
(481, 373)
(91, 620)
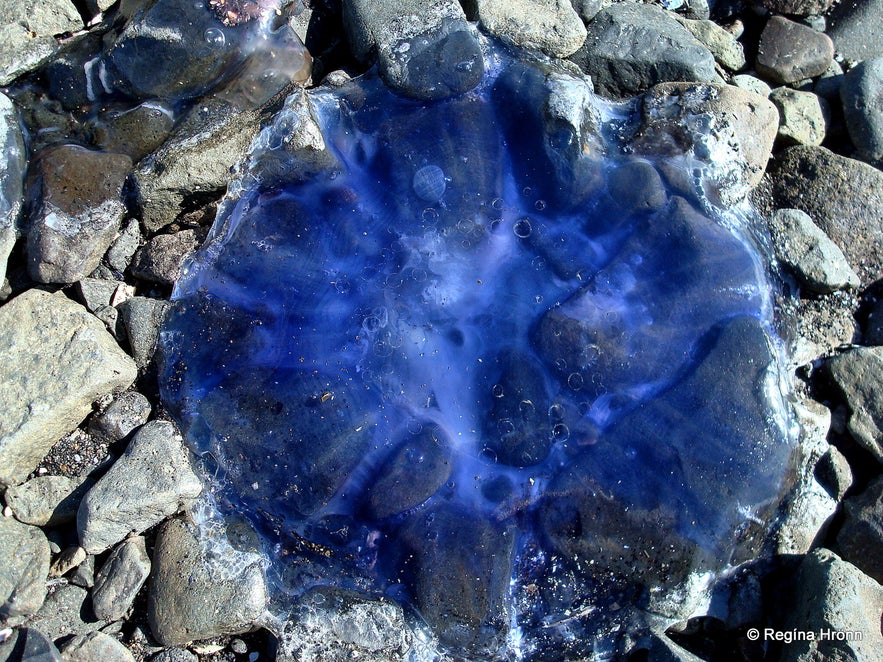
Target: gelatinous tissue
(488, 360)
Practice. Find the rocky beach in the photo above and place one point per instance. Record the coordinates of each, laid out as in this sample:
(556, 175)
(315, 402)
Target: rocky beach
(141, 137)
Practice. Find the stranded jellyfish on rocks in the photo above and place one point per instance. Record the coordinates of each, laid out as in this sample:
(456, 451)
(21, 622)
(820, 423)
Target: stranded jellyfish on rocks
(491, 359)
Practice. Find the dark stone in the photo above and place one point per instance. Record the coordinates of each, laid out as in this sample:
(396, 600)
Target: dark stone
(136, 132)
(862, 95)
(161, 258)
(798, 7)
(856, 26)
(789, 52)
(142, 317)
(29, 645)
(862, 532)
(637, 186)
(858, 376)
(127, 412)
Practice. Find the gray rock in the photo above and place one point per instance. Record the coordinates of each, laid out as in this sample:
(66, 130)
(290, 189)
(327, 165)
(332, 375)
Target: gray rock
(27, 34)
(194, 595)
(67, 610)
(551, 26)
(95, 646)
(843, 196)
(336, 624)
(30, 645)
(742, 138)
(807, 251)
(56, 359)
(856, 26)
(84, 575)
(798, 7)
(78, 214)
(153, 479)
(727, 51)
(67, 560)
(861, 537)
(124, 246)
(193, 166)
(789, 52)
(98, 293)
(862, 95)
(829, 83)
(833, 473)
(175, 655)
(12, 169)
(128, 411)
(25, 553)
(425, 48)
(873, 329)
(858, 375)
(136, 132)
(161, 258)
(588, 9)
(120, 579)
(751, 83)
(631, 47)
(142, 317)
(47, 500)
(803, 116)
(833, 596)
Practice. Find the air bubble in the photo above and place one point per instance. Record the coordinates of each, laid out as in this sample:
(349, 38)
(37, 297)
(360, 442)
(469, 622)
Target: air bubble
(429, 183)
(430, 216)
(540, 205)
(556, 412)
(560, 432)
(575, 381)
(215, 37)
(522, 228)
(497, 390)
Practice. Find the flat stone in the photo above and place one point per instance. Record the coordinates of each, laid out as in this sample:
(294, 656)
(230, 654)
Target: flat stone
(631, 47)
(856, 26)
(12, 169)
(161, 258)
(724, 46)
(862, 95)
(807, 251)
(28, 644)
(858, 375)
(67, 610)
(128, 411)
(152, 480)
(425, 48)
(193, 166)
(95, 646)
(120, 578)
(47, 500)
(193, 596)
(27, 34)
(803, 116)
(834, 596)
(142, 317)
(124, 246)
(136, 132)
(789, 52)
(25, 553)
(79, 211)
(862, 531)
(56, 359)
(551, 26)
(843, 196)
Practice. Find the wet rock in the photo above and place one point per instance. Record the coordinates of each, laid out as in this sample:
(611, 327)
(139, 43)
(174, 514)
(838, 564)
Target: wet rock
(127, 412)
(862, 531)
(69, 559)
(120, 578)
(67, 610)
(193, 166)
(152, 480)
(834, 596)
(25, 553)
(339, 624)
(862, 95)
(78, 214)
(858, 375)
(124, 246)
(47, 500)
(727, 51)
(808, 252)
(28, 31)
(803, 116)
(95, 646)
(551, 26)
(676, 116)
(29, 644)
(161, 258)
(637, 186)
(142, 317)
(12, 169)
(136, 132)
(56, 359)
(425, 49)
(629, 48)
(193, 596)
(856, 26)
(789, 52)
(843, 196)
